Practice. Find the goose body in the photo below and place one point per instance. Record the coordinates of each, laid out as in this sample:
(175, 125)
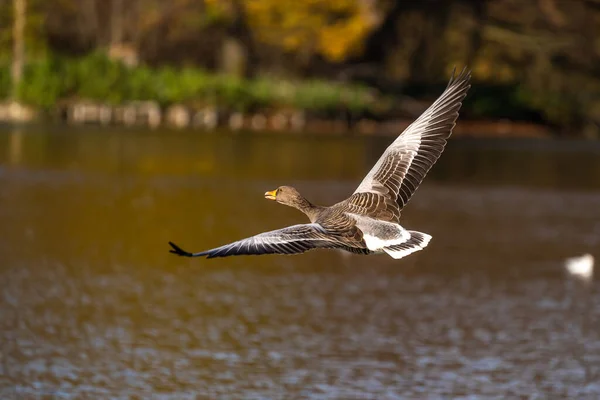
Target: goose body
(368, 222)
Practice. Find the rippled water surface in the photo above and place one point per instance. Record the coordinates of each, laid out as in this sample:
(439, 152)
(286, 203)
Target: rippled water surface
(93, 306)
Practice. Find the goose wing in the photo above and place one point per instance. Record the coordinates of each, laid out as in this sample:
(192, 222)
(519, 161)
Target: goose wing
(294, 239)
(404, 164)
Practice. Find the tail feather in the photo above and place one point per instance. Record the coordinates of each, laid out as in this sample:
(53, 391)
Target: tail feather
(417, 241)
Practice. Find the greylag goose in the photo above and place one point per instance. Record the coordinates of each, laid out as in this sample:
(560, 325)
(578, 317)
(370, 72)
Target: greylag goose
(368, 221)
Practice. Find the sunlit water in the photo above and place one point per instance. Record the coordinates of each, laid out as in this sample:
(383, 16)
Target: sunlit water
(93, 305)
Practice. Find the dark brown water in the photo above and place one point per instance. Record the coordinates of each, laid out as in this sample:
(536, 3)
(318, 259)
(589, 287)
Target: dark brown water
(93, 306)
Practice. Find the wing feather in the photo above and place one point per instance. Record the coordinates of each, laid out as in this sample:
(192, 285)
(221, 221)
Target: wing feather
(404, 164)
(291, 240)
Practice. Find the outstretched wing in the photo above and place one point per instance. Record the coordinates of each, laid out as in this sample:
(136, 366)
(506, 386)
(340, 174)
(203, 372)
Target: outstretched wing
(404, 164)
(294, 239)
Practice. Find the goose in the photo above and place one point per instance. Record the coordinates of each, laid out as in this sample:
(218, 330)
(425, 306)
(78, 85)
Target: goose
(367, 222)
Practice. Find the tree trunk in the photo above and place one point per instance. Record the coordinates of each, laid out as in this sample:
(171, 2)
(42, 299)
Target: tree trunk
(385, 37)
(116, 23)
(479, 12)
(234, 57)
(428, 61)
(238, 54)
(18, 61)
(89, 26)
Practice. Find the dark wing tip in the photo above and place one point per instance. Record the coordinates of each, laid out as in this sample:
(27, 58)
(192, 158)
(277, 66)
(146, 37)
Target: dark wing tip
(179, 251)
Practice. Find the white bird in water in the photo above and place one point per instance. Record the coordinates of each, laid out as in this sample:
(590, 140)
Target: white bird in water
(581, 267)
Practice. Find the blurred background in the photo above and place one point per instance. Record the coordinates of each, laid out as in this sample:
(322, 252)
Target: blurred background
(534, 62)
(128, 124)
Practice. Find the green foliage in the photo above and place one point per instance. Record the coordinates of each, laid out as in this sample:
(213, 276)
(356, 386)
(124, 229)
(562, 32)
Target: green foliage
(98, 78)
(41, 84)
(95, 77)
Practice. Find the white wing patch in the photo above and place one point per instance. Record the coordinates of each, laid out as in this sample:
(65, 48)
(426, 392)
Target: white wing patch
(380, 234)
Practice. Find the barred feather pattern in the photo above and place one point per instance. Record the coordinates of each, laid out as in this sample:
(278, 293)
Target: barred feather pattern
(294, 239)
(404, 164)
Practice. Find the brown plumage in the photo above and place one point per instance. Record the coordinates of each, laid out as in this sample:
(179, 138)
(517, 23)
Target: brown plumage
(368, 221)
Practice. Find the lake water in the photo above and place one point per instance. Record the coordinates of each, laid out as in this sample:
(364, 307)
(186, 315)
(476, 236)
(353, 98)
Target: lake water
(93, 306)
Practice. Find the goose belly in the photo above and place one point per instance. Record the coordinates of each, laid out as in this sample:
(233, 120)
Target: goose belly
(379, 234)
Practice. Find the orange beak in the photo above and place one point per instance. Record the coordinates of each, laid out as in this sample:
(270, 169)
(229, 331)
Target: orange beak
(272, 195)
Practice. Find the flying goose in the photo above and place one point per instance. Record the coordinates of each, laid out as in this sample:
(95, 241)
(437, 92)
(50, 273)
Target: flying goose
(368, 221)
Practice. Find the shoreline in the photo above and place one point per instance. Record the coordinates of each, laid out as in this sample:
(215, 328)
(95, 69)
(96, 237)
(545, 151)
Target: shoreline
(150, 115)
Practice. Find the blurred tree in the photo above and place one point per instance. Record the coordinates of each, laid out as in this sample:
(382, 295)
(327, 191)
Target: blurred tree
(548, 49)
(546, 52)
(238, 50)
(116, 22)
(18, 59)
(24, 19)
(333, 29)
(120, 49)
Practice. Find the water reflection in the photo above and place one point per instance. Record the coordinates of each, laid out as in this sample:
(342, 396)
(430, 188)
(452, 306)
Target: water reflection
(15, 146)
(93, 305)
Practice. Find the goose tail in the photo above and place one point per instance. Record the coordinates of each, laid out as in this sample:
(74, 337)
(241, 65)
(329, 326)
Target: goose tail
(417, 241)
